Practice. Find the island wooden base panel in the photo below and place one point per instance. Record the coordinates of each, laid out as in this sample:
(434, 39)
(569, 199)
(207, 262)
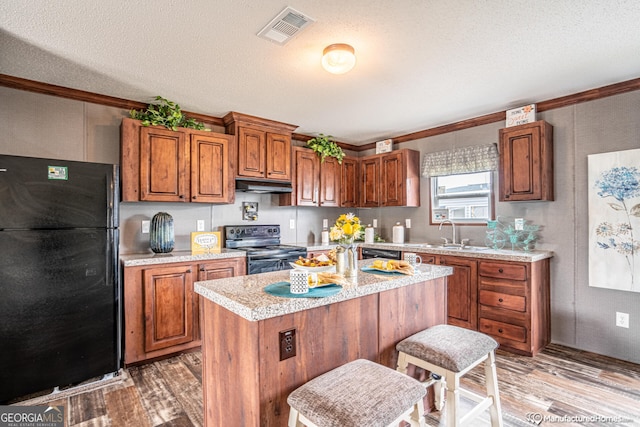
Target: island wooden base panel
(557, 382)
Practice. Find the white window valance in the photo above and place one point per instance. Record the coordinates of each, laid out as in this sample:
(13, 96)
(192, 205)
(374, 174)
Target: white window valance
(477, 158)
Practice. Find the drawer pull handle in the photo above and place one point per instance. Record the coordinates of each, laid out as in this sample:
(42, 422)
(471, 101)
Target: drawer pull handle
(500, 270)
(500, 330)
(500, 300)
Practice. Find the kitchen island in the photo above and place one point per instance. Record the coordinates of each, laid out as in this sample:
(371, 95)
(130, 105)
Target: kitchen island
(246, 331)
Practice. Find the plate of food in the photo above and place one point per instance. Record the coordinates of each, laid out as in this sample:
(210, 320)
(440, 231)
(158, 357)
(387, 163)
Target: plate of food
(314, 264)
(391, 266)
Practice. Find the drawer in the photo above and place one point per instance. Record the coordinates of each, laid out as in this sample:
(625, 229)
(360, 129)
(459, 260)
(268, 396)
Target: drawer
(503, 271)
(503, 330)
(427, 258)
(497, 299)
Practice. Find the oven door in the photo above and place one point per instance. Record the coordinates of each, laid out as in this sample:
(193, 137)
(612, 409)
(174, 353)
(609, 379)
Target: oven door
(264, 265)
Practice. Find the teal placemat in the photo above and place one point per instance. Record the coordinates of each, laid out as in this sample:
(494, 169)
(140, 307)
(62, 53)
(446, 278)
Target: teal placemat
(381, 272)
(281, 289)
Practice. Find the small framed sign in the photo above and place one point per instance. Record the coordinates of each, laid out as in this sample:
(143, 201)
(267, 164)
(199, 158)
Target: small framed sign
(521, 115)
(204, 242)
(384, 146)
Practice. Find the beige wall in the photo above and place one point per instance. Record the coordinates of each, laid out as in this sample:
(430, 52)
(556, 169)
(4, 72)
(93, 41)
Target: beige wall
(582, 317)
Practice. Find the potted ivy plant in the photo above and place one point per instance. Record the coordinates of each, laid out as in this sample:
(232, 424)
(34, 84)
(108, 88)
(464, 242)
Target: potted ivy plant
(325, 146)
(166, 113)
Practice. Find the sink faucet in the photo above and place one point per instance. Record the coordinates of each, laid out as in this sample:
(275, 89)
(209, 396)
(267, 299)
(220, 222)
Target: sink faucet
(453, 227)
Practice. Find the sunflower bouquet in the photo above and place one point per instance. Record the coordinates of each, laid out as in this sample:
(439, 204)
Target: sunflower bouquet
(347, 229)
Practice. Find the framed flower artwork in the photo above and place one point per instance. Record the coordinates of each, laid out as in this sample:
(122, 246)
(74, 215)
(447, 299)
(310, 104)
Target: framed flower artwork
(614, 220)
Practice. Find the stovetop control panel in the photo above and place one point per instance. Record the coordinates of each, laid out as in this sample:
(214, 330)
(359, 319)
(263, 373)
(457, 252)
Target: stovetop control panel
(240, 232)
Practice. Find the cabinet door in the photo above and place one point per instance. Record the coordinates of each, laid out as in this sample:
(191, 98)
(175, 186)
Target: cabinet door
(349, 183)
(168, 307)
(307, 178)
(330, 178)
(164, 160)
(211, 181)
(462, 292)
(526, 162)
(278, 153)
(370, 182)
(391, 180)
(251, 152)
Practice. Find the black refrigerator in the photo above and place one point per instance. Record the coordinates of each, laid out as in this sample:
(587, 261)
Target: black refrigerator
(59, 288)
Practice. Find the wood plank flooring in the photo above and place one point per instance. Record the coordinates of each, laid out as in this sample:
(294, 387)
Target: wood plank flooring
(560, 382)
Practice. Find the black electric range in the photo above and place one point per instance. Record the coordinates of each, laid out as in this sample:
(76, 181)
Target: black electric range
(262, 244)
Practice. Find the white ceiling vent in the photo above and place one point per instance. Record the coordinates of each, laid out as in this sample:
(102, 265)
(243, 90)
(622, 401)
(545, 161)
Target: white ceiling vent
(285, 26)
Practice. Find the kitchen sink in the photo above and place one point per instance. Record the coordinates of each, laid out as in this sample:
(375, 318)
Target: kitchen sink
(451, 247)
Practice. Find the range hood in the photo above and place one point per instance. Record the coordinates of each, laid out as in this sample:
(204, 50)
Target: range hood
(263, 186)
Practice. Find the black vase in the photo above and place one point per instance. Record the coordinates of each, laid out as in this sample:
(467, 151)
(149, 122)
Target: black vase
(161, 234)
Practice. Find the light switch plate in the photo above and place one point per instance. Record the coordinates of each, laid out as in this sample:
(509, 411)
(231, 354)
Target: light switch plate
(407, 223)
(292, 224)
(200, 225)
(145, 227)
(375, 223)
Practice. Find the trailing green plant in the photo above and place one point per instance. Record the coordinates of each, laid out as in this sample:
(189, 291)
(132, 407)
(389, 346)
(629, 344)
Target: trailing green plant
(325, 146)
(166, 113)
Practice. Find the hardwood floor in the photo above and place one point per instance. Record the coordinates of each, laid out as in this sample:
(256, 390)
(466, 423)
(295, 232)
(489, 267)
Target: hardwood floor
(560, 382)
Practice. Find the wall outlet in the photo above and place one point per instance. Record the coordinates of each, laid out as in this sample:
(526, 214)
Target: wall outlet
(287, 344)
(292, 224)
(325, 223)
(375, 223)
(200, 225)
(622, 319)
(145, 227)
(407, 223)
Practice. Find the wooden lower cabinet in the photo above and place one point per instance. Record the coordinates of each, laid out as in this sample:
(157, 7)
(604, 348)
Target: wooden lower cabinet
(514, 304)
(161, 310)
(509, 301)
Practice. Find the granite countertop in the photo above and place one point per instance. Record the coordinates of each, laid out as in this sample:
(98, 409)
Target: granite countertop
(471, 252)
(132, 260)
(245, 295)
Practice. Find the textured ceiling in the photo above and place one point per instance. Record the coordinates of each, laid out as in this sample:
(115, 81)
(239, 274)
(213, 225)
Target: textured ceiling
(420, 63)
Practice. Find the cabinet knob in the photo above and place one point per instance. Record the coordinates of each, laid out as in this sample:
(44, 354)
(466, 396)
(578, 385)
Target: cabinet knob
(201, 268)
(194, 197)
(181, 196)
(189, 271)
(500, 330)
(500, 270)
(500, 300)
(506, 196)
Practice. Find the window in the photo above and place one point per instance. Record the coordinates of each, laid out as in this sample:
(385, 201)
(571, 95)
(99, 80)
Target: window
(463, 198)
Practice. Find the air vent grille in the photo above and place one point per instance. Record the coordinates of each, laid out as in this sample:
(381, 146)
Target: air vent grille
(285, 26)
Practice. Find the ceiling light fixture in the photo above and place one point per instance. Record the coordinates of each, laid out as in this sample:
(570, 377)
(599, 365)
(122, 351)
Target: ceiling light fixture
(338, 58)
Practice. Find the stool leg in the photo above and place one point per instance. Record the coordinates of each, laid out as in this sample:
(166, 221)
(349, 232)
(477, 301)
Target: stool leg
(491, 378)
(402, 363)
(439, 388)
(452, 403)
(294, 418)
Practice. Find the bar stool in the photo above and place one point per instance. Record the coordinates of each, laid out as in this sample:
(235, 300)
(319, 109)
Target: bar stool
(356, 394)
(450, 352)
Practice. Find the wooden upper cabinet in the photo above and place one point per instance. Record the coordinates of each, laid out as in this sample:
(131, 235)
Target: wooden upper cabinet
(390, 179)
(307, 181)
(330, 182)
(370, 182)
(349, 183)
(161, 165)
(278, 154)
(252, 152)
(526, 162)
(211, 179)
(315, 183)
(164, 160)
(263, 149)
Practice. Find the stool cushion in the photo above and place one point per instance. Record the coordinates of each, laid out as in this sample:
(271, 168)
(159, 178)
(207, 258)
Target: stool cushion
(450, 347)
(359, 393)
